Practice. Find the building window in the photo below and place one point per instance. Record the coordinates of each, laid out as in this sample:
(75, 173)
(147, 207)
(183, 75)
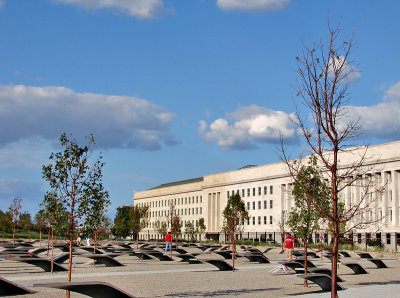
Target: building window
(265, 204)
(185, 211)
(259, 191)
(193, 211)
(388, 238)
(271, 189)
(197, 210)
(270, 220)
(227, 194)
(248, 192)
(254, 205)
(259, 220)
(265, 190)
(248, 205)
(248, 220)
(188, 211)
(265, 220)
(254, 220)
(243, 193)
(185, 200)
(201, 199)
(201, 210)
(237, 192)
(254, 191)
(271, 204)
(259, 204)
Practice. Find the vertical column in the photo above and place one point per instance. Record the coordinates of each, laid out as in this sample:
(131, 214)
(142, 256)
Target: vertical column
(209, 206)
(213, 212)
(384, 183)
(375, 197)
(283, 197)
(218, 210)
(395, 198)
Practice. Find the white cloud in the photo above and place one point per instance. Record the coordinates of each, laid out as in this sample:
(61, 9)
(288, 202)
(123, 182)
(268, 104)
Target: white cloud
(252, 125)
(252, 5)
(145, 9)
(381, 120)
(116, 121)
(393, 93)
(349, 73)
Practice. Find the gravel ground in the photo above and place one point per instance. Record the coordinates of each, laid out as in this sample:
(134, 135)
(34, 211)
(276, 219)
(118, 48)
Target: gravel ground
(153, 278)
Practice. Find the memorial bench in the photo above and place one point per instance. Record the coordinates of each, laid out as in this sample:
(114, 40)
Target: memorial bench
(8, 288)
(93, 289)
(323, 280)
(355, 267)
(45, 264)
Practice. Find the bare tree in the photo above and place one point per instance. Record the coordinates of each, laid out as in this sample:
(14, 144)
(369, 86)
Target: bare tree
(15, 213)
(324, 78)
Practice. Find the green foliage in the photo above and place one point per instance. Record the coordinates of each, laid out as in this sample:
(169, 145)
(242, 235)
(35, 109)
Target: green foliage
(5, 222)
(121, 228)
(55, 213)
(309, 189)
(161, 228)
(40, 220)
(190, 231)
(235, 214)
(25, 221)
(176, 227)
(97, 203)
(138, 218)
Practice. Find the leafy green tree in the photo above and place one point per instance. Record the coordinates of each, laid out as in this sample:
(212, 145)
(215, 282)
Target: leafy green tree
(304, 218)
(72, 174)
(176, 227)
(190, 231)
(138, 220)
(5, 222)
(40, 223)
(14, 211)
(56, 216)
(98, 201)
(200, 226)
(235, 215)
(26, 223)
(122, 228)
(161, 228)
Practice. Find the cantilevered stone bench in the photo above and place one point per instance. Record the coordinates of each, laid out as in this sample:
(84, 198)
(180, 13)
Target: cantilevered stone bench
(45, 264)
(8, 288)
(364, 255)
(309, 263)
(180, 250)
(344, 254)
(184, 257)
(299, 268)
(266, 250)
(225, 254)
(256, 258)
(220, 264)
(378, 263)
(104, 259)
(91, 249)
(94, 289)
(323, 280)
(141, 255)
(355, 267)
(159, 255)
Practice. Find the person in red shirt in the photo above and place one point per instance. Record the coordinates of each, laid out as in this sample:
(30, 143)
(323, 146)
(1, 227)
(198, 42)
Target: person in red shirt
(289, 245)
(168, 240)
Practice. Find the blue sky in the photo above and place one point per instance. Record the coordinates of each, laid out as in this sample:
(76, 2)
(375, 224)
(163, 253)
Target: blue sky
(174, 90)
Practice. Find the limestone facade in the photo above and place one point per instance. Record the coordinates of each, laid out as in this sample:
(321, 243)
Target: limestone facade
(266, 191)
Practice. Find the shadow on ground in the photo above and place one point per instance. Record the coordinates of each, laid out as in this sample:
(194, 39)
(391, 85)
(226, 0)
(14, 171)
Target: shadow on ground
(220, 293)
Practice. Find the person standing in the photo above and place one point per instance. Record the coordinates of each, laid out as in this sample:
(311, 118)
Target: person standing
(289, 245)
(168, 240)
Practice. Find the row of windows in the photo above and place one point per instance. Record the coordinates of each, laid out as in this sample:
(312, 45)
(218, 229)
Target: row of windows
(186, 211)
(183, 223)
(178, 201)
(271, 204)
(253, 220)
(252, 191)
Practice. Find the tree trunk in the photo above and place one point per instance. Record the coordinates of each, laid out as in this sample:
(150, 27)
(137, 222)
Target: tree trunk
(233, 251)
(334, 260)
(14, 235)
(48, 242)
(40, 237)
(52, 248)
(71, 239)
(305, 261)
(137, 240)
